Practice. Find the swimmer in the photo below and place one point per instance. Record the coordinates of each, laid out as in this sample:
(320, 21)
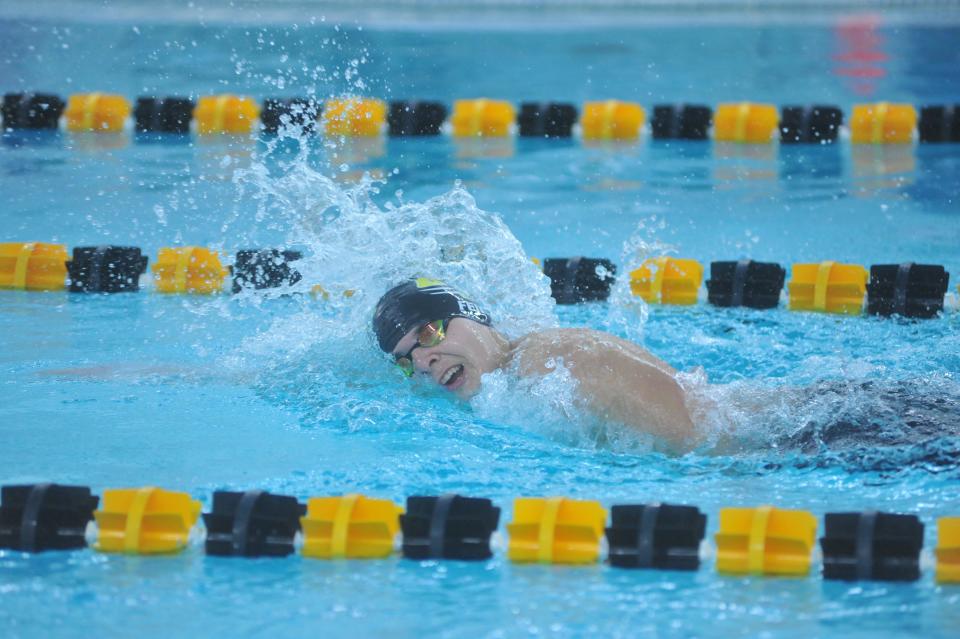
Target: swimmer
(434, 331)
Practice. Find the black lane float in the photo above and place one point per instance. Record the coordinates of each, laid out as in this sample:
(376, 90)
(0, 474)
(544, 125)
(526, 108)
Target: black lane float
(817, 124)
(908, 289)
(106, 269)
(579, 279)
(254, 523)
(546, 120)
(163, 115)
(681, 122)
(661, 536)
(415, 119)
(32, 110)
(300, 113)
(37, 517)
(265, 268)
(939, 123)
(871, 546)
(448, 526)
(745, 283)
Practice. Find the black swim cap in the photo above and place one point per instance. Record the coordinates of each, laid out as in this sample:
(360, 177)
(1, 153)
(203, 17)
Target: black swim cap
(416, 302)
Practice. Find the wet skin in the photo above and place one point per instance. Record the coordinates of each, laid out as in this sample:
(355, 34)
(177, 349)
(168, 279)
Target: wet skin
(618, 380)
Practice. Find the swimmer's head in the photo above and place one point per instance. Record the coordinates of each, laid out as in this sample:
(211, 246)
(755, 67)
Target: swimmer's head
(415, 302)
(433, 329)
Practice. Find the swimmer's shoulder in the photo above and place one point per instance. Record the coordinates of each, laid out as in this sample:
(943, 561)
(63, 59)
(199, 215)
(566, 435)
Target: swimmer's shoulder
(532, 352)
(538, 352)
(557, 340)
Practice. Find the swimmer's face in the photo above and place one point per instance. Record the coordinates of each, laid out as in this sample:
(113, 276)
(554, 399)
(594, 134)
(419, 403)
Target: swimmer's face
(467, 351)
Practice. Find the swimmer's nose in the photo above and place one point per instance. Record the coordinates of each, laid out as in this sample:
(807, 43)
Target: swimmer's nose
(423, 359)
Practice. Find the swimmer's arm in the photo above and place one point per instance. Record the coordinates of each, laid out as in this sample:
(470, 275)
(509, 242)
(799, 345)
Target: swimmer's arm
(620, 386)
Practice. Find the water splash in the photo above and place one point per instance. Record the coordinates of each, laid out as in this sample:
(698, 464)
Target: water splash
(627, 313)
(861, 424)
(322, 356)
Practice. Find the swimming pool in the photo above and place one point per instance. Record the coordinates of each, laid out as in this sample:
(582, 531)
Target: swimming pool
(287, 394)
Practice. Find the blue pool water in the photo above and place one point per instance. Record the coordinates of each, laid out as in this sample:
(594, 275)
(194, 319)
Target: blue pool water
(289, 394)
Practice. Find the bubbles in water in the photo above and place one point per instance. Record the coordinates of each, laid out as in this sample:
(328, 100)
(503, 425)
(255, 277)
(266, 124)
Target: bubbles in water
(161, 214)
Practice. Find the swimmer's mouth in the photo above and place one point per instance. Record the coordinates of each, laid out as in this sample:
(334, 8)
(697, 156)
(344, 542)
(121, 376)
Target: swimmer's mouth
(452, 376)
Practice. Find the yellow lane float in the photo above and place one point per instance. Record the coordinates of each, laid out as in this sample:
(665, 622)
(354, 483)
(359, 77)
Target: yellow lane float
(227, 113)
(188, 269)
(667, 280)
(97, 112)
(765, 541)
(482, 118)
(883, 123)
(948, 550)
(145, 520)
(745, 122)
(555, 530)
(828, 287)
(354, 117)
(349, 527)
(612, 120)
(33, 266)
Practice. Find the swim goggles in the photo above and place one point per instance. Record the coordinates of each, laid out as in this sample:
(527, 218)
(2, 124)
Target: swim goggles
(430, 334)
